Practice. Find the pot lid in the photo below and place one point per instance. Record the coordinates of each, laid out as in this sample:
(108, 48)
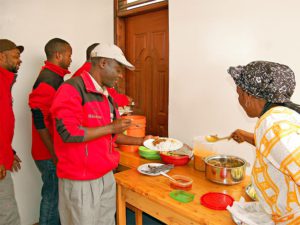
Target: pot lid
(216, 200)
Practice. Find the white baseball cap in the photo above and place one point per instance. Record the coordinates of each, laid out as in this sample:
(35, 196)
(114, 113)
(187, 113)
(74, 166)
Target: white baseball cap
(111, 51)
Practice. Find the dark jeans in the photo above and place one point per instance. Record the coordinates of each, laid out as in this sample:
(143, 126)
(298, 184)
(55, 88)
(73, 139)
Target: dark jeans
(49, 204)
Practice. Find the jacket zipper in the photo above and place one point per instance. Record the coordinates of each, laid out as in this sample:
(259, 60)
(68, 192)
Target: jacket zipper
(85, 160)
(111, 144)
(86, 151)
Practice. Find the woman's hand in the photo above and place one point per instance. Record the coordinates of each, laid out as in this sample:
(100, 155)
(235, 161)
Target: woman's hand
(241, 136)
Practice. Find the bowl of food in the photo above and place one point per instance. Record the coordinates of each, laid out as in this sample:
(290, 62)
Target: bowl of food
(175, 159)
(224, 169)
(181, 182)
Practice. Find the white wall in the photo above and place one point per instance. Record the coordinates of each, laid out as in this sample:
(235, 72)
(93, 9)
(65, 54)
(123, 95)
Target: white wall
(206, 37)
(32, 23)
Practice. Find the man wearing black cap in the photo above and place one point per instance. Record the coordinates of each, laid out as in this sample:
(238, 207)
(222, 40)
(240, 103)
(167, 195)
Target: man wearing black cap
(9, 65)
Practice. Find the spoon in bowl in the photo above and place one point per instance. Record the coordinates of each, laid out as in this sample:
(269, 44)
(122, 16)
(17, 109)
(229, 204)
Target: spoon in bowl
(166, 175)
(215, 138)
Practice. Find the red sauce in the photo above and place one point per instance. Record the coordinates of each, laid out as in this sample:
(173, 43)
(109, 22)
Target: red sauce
(181, 184)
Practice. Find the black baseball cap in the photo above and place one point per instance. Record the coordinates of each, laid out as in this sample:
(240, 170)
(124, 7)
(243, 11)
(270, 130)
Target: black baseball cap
(6, 45)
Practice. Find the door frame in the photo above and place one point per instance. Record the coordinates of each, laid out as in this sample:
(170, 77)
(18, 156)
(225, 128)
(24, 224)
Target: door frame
(120, 29)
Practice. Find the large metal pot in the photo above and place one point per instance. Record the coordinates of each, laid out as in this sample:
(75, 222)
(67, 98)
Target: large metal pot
(225, 169)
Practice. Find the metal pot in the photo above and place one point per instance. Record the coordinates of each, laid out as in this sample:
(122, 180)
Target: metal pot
(224, 169)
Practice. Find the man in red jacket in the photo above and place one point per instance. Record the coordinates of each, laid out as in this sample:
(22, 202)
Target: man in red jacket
(87, 124)
(9, 65)
(120, 99)
(58, 54)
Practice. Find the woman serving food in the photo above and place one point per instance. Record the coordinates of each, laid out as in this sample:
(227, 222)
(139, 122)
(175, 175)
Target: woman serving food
(264, 91)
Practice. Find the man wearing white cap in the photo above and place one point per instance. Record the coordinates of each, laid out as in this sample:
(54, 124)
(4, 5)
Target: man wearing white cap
(87, 125)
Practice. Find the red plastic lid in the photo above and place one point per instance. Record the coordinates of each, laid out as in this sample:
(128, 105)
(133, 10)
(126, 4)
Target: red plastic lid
(215, 200)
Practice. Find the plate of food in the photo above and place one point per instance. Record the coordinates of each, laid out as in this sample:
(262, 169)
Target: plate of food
(163, 144)
(154, 169)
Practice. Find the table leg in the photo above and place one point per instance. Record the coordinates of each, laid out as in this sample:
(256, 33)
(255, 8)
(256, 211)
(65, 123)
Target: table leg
(138, 217)
(138, 214)
(121, 207)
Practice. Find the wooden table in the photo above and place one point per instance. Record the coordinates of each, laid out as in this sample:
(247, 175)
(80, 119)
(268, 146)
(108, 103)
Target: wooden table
(133, 159)
(151, 195)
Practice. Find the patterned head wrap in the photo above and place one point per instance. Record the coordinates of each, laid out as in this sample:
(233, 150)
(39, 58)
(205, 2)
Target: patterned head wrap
(271, 81)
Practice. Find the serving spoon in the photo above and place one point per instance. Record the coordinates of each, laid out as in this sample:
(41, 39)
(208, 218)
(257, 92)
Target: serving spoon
(166, 175)
(215, 138)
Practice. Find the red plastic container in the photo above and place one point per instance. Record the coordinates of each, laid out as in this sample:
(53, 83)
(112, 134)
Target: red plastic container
(177, 160)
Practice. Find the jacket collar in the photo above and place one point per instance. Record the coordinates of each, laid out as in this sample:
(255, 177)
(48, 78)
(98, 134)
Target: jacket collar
(8, 75)
(88, 83)
(56, 69)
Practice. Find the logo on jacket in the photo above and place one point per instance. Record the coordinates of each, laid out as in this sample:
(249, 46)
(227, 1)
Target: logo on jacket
(93, 116)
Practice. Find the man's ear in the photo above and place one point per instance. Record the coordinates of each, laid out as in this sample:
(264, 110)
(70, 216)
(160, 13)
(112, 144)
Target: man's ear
(2, 57)
(58, 56)
(102, 62)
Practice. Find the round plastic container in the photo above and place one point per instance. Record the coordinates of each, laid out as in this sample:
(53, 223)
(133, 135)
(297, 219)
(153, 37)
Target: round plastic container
(128, 148)
(176, 160)
(182, 182)
(137, 129)
(148, 153)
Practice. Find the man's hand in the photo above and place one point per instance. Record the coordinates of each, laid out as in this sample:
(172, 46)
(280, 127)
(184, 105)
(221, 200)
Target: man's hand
(149, 137)
(130, 100)
(2, 172)
(120, 125)
(16, 163)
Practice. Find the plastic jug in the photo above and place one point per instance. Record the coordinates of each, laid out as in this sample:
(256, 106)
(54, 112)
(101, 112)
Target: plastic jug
(137, 129)
(202, 149)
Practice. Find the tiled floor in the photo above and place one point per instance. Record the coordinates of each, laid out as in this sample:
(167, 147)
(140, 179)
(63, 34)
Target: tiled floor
(147, 220)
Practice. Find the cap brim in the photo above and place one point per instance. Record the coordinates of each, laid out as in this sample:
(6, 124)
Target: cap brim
(21, 48)
(235, 72)
(124, 62)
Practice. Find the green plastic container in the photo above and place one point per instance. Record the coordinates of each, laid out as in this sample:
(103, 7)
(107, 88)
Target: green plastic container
(148, 153)
(182, 196)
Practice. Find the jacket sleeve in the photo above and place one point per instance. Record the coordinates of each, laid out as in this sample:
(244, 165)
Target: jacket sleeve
(67, 114)
(120, 99)
(40, 101)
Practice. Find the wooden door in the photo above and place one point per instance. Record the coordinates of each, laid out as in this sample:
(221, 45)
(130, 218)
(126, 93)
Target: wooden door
(147, 47)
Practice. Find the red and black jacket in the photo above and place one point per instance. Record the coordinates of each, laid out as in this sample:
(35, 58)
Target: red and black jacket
(77, 105)
(7, 118)
(40, 101)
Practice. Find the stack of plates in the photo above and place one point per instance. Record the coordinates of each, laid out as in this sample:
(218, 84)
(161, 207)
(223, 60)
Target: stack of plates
(148, 153)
